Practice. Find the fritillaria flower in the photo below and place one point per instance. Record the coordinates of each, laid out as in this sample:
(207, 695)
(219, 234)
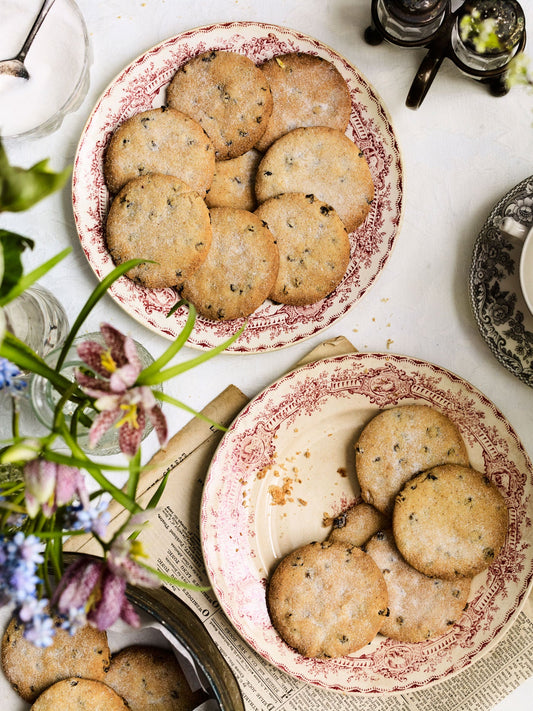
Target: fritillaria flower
(50, 485)
(121, 403)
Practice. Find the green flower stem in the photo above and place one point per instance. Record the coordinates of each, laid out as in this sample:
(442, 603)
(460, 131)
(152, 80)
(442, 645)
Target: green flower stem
(28, 279)
(133, 478)
(91, 302)
(172, 401)
(159, 377)
(173, 581)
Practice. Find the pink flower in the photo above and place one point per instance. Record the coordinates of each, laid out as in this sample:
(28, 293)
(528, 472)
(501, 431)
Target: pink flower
(121, 403)
(90, 585)
(50, 485)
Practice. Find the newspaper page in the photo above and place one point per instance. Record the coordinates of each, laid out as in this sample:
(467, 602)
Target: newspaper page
(173, 544)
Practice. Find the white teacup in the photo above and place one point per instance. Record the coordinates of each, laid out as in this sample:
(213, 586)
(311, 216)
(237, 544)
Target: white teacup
(512, 228)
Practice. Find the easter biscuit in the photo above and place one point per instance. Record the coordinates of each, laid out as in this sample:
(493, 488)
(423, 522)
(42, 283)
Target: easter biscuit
(240, 269)
(399, 443)
(228, 95)
(327, 599)
(160, 141)
(314, 247)
(419, 607)
(234, 181)
(150, 677)
(357, 525)
(159, 218)
(450, 522)
(306, 91)
(79, 694)
(321, 161)
(31, 669)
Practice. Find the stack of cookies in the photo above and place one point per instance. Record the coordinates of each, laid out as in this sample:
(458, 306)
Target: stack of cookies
(79, 672)
(244, 187)
(401, 562)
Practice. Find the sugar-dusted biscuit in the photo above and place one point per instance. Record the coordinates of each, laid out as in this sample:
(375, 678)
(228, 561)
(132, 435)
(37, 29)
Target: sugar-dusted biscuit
(306, 91)
(400, 442)
(31, 669)
(234, 182)
(358, 524)
(79, 695)
(419, 607)
(450, 522)
(321, 161)
(240, 269)
(314, 247)
(228, 95)
(149, 677)
(160, 140)
(327, 599)
(159, 218)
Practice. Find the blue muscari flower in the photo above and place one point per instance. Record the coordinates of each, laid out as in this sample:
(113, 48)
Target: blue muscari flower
(40, 630)
(9, 377)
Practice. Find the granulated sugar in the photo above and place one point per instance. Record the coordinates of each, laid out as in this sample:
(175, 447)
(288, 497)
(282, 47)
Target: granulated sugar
(55, 62)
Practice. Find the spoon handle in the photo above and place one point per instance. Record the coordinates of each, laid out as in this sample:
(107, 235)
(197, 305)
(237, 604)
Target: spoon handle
(43, 12)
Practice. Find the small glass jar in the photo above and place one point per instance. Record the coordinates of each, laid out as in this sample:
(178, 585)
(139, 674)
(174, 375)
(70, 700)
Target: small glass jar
(44, 397)
(37, 319)
(508, 19)
(411, 21)
(58, 63)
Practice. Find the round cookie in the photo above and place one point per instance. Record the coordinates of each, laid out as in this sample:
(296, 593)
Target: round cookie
(228, 95)
(160, 140)
(240, 269)
(400, 442)
(327, 599)
(306, 91)
(79, 694)
(314, 247)
(31, 669)
(321, 161)
(357, 525)
(419, 607)
(450, 522)
(149, 677)
(159, 218)
(234, 181)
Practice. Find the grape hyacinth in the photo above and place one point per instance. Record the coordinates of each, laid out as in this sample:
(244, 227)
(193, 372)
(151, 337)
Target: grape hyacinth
(9, 378)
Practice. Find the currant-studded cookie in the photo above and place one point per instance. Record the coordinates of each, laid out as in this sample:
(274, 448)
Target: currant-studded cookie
(234, 181)
(31, 669)
(306, 91)
(160, 219)
(419, 607)
(79, 695)
(400, 442)
(450, 522)
(160, 141)
(240, 269)
(150, 677)
(229, 97)
(323, 162)
(314, 247)
(327, 599)
(358, 524)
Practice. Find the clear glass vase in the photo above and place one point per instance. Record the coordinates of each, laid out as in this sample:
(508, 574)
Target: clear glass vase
(44, 397)
(37, 319)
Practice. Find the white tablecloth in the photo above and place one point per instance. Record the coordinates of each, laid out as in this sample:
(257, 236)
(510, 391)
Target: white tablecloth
(462, 151)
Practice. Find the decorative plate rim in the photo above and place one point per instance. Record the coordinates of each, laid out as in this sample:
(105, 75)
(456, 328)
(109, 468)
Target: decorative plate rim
(272, 326)
(244, 451)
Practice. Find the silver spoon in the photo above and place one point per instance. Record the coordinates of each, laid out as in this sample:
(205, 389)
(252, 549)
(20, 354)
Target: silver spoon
(15, 66)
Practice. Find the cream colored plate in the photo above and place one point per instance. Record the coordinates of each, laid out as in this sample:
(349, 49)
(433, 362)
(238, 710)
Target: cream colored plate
(288, 460)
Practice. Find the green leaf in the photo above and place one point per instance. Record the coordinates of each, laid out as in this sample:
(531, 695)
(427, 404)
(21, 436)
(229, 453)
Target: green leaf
(20, 188)
(11, 269)
(23, 282)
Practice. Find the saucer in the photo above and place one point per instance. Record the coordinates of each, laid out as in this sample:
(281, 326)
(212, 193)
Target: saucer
(499, 308)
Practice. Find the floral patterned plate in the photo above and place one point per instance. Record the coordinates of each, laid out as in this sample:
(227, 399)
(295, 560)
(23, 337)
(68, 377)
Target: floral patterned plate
(499, 307)
(142, 85)
(286, 465)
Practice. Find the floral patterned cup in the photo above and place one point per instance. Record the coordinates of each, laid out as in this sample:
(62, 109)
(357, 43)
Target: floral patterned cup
(512, 228)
